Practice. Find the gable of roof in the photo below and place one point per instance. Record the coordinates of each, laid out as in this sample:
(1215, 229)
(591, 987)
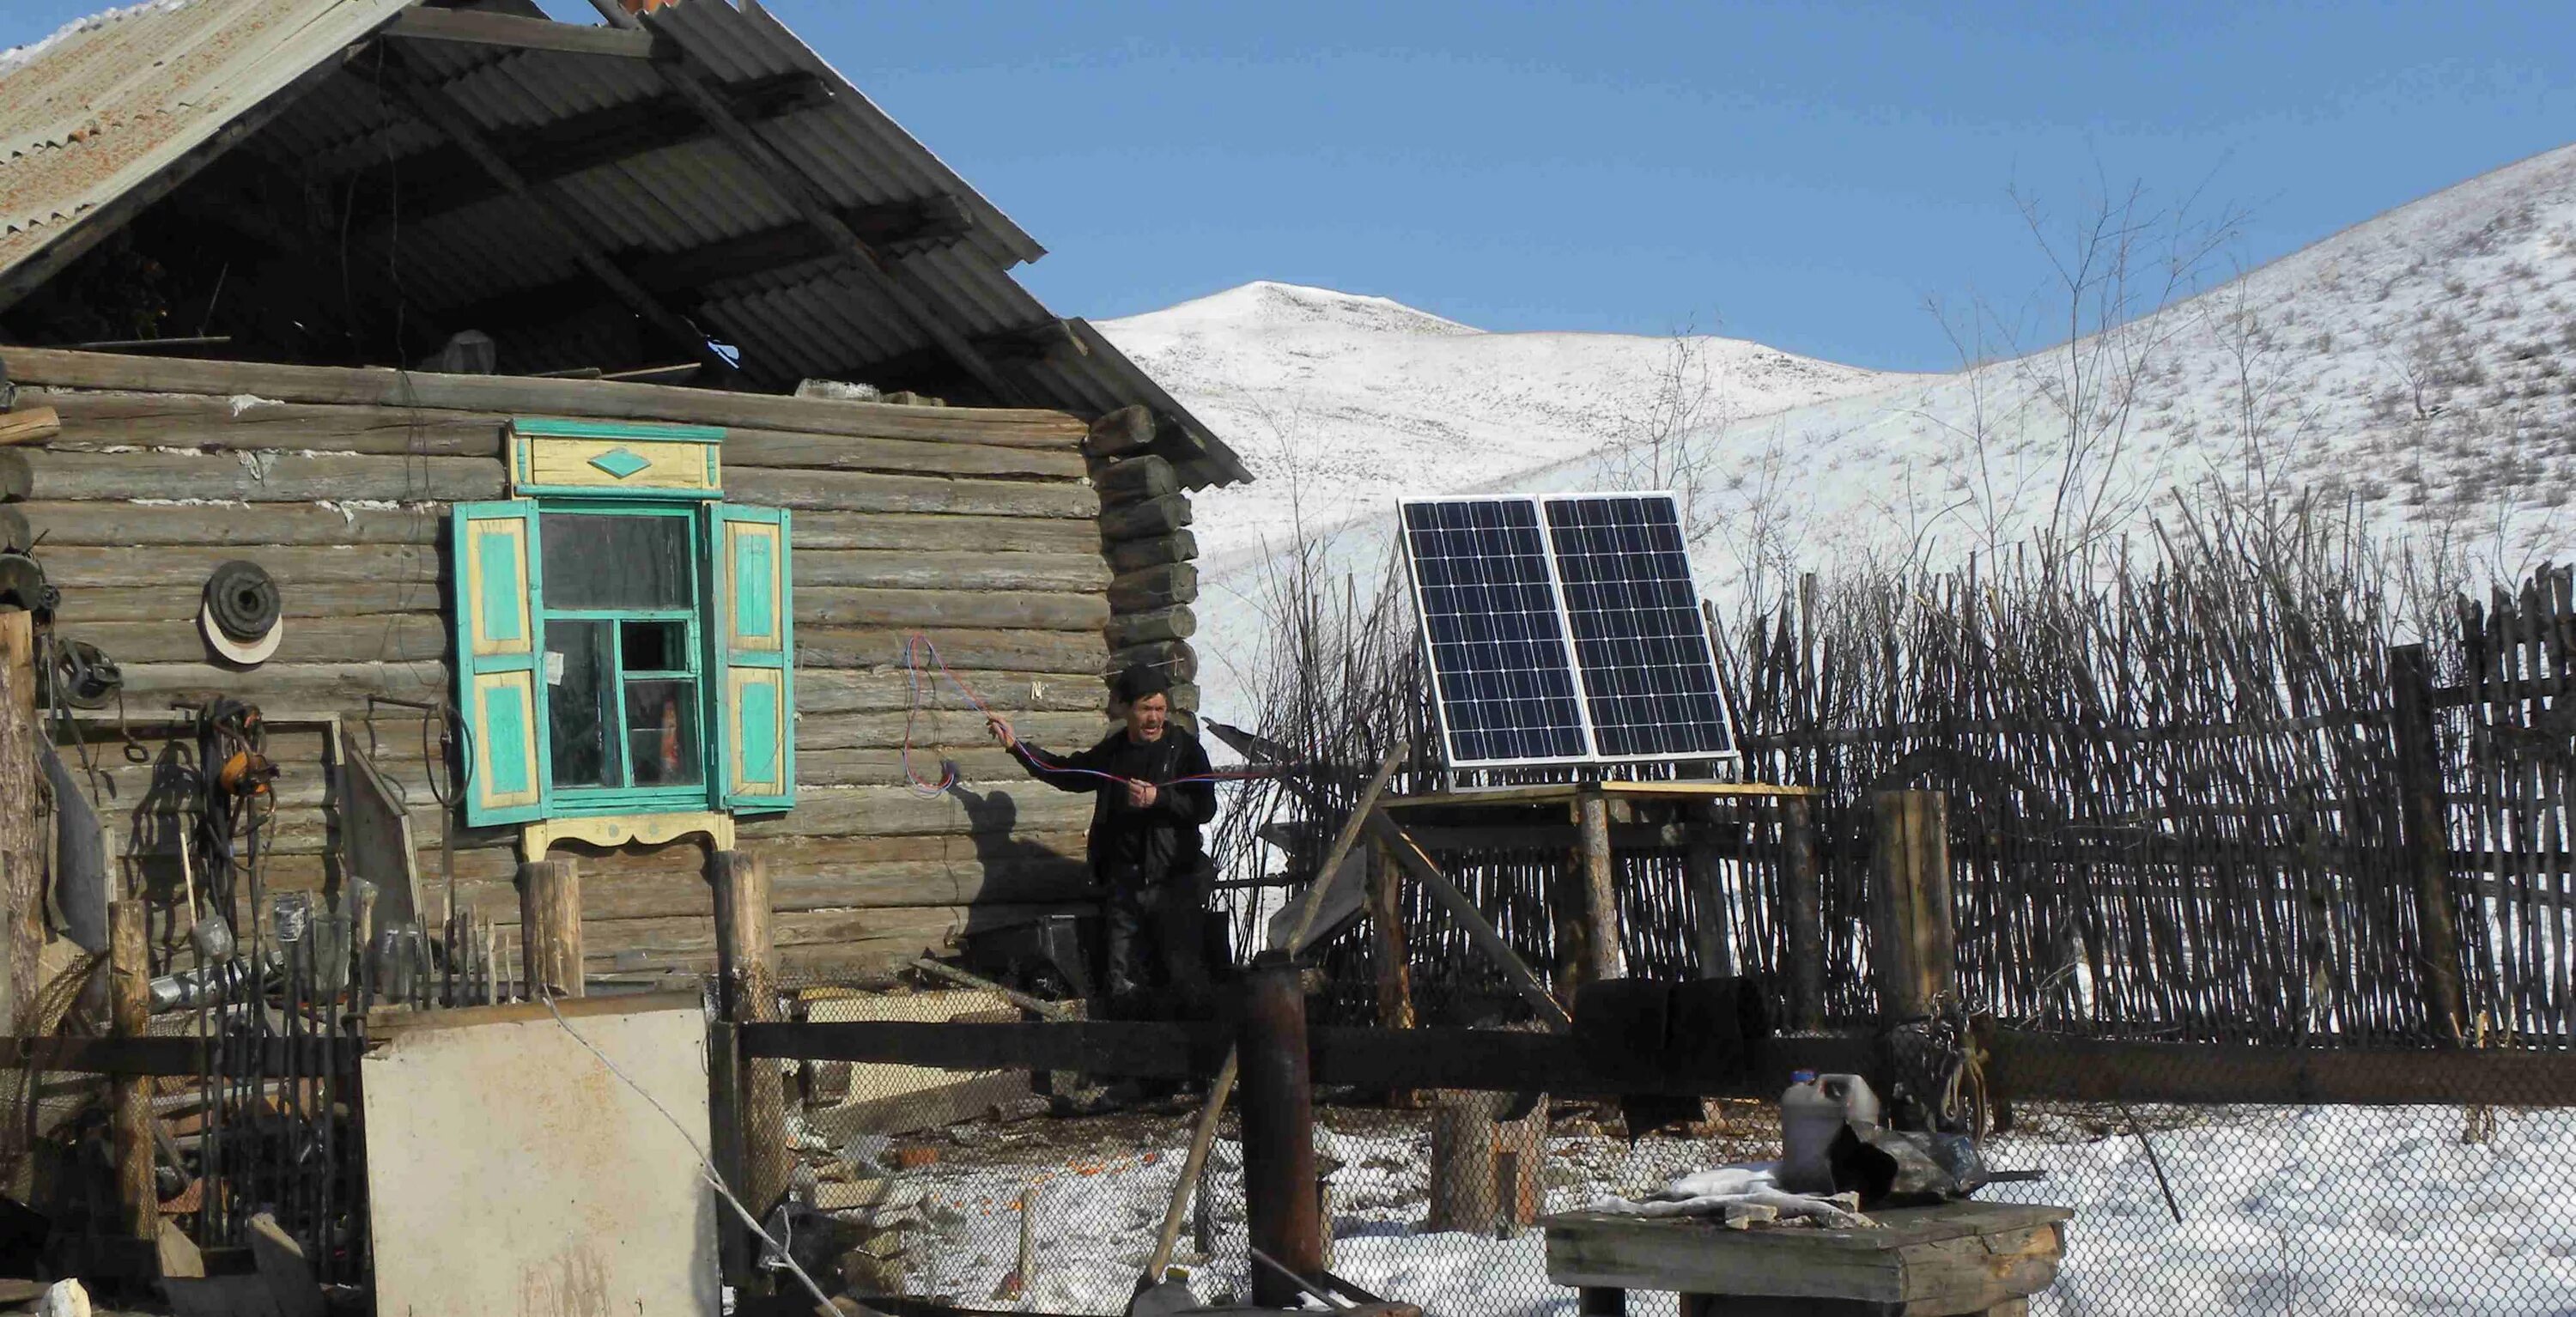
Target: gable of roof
(794, 234)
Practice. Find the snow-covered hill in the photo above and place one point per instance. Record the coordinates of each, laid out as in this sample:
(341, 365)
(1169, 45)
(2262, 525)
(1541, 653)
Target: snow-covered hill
(2421, 364)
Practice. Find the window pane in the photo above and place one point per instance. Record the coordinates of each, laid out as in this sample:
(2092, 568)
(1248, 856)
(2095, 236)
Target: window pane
(662, 732)
(581, 706)
(655, 646)
(604, 560)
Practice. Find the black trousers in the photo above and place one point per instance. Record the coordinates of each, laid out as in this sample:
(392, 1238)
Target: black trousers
(1156, 963)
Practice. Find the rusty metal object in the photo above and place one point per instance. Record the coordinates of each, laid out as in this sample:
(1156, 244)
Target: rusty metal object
(1283, 1216)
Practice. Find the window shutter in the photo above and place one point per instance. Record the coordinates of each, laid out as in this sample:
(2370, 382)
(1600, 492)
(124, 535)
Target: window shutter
(753, 639)
(498, 639)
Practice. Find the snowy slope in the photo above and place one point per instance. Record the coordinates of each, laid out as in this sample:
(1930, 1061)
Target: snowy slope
(2421, 364)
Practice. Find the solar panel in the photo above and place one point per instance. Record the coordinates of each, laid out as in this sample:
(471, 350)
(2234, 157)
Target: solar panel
(1499, 659)
(1649, 676)
(1563, 629)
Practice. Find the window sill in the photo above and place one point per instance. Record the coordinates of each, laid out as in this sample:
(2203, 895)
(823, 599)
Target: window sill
(651, 829)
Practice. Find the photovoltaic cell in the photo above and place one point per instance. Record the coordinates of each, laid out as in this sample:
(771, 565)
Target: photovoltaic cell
(1649, 678)
(1496, 631)
(1564, 628)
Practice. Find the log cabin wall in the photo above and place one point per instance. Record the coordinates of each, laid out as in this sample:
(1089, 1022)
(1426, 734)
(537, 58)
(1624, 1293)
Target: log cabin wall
(978, 527)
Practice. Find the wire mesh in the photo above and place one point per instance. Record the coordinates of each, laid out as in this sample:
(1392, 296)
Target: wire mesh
(1041, 1192)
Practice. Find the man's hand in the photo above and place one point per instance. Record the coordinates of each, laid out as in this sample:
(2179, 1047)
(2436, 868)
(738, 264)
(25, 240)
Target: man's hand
(1001, 729)
(1142, 795)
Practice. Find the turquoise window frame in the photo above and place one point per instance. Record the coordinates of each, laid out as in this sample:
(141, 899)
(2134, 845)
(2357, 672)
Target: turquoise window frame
(574, 801)
(708, 437)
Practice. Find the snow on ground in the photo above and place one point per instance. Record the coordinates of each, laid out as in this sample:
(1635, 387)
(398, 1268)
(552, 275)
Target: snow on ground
(2361, 1211)
(2418, 364)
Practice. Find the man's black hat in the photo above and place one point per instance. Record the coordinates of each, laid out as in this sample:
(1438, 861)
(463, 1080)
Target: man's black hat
(1140, 681)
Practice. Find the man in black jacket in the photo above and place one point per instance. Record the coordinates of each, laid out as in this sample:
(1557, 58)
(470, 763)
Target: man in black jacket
(1144, 847)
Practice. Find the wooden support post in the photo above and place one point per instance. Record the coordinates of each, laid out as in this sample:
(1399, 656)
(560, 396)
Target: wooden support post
(1471, 921)
(1600, 908)
(130, 1011)
(1713, 931)
(2426, 829)
(22, 819)
(1282, 1211)
(1911, 922)
(1802, 914)
(747, 978)
(550, 927)
(1386, 939)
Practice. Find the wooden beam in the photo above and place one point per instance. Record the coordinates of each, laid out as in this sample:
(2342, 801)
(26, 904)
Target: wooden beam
(2025, 1066)
(1469, 919)
(690, 79)
(433, 108)
(470, 27)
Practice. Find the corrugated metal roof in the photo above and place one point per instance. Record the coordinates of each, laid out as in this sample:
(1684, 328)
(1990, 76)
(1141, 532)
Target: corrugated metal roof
(814, 318)
(108, 102)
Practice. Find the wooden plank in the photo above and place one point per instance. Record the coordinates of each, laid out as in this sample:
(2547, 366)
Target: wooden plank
(995, 538)
(523, 395)
(512, 32)
(1068, 654)
(896, 811)
(888, 936)
(1955, 1258)
(1566, 791)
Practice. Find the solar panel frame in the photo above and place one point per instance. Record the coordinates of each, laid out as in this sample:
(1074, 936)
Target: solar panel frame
(1591, 734)
(1642, 649)
(1464, 746)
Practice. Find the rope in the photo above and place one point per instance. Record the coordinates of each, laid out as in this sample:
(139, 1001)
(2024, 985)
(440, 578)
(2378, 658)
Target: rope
(917, 645)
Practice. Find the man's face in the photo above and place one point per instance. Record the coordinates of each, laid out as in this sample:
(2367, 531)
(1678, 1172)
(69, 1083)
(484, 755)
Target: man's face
(1147, 717)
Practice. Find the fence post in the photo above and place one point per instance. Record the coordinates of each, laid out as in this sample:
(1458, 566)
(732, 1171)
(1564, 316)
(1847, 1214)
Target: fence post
(23, 819)
(129, 981)
(1911, 923)
(747, 984)
(1282, 1214)
(1802, 915)
(550, 959)
(2427, 833)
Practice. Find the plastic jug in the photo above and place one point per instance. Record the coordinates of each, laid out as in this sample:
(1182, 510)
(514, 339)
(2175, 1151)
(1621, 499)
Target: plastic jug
(1813, 1110)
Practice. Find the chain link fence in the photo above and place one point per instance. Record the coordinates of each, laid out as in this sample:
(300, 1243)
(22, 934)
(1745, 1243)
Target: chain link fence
(1042, 1192)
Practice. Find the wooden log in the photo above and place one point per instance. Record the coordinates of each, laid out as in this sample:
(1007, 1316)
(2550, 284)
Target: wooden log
(1462, 1162)
(2425, 828)
(254, 478)
(1599, 909)
(851, 491)
(747, 449)
(1134, 555)
(17, 478)
(1175, 657)
(896, 811)
(170, 603)
(1802, 913)
(1129, 429)
(840, 606)
(1712, 931)
(994, 537)
(521, 395)
(177, 420)
(1152, 519)
(119, 524)
(22, 818)
(949, 728)
(1080, 570)
(188, 566)
(1064, 653)
(130, 1006)
(550, 927)
(747, 978)
(15, 535)
(612, 891)
(1134, 480)
(1911, 921)
(385, 638)
(1149, 588)
(1387, 940)
(1175, 623)
(29, 425)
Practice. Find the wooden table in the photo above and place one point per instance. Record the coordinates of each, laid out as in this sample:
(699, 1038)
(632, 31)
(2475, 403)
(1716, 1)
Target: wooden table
(1956, 1258)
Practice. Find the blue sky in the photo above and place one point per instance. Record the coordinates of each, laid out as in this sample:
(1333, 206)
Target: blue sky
(1805, 175)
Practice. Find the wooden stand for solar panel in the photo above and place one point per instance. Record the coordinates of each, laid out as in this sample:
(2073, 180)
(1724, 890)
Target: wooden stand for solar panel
(1593, 823)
